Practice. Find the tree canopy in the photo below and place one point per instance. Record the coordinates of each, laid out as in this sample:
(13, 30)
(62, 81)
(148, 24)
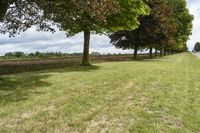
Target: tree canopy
(183, 22)
(74, 16)
(168, 26)
(19, 15)
(155, 30)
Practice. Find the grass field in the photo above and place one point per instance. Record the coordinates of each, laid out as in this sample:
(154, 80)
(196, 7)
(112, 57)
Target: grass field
(158, 95)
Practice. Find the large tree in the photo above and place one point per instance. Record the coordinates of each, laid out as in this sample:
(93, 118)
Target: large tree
(74, 16)
(127, 40)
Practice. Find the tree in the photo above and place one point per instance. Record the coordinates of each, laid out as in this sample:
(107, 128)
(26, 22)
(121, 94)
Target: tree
(17, 54)
(127, 40)
(74, 16)
(183, 22)
(197, 47)
(3, 8)
(155, 30)
(96, 16)
(20, 15)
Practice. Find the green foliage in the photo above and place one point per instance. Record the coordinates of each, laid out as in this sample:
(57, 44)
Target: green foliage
(197, 47)
(22, 15)
(14, 55)
(155, 30)
(74, 16)
(183, 22)
(97, 16)
(95, 53)
(168, 26)
(3, 8)
(128, 16)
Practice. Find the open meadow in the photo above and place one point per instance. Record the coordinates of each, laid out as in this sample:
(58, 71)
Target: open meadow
(153, 95)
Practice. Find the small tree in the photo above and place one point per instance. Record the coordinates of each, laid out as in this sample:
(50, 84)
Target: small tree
(197, 47)
(127, 40)
(19, 54)
(9, 55)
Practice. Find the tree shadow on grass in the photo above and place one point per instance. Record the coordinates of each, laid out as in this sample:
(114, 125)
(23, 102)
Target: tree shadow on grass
(19, 87)
(154, 59)
(76, 68)
(16, 88)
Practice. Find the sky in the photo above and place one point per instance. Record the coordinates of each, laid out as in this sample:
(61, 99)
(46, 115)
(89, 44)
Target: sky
(194, 7)
(32, 41)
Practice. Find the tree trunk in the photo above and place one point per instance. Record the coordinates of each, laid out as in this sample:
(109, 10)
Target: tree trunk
(156, 52)
(85, 58)
(169, 52)
(150, 53)
(165, 52)
(172, 52)
(135, 52)
(161, 53)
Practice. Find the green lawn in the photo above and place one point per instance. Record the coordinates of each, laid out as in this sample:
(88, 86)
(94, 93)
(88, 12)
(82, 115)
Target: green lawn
(159, 95)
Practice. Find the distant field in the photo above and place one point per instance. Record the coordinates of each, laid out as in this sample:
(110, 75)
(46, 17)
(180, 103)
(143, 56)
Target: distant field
(8, 66)
(151, 96)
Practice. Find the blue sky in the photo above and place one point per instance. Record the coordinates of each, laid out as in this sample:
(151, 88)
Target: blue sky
(31, 40)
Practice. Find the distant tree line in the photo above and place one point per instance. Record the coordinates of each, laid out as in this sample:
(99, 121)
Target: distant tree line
(37, 54)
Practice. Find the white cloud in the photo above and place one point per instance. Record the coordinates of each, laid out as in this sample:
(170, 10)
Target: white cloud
(32, 41)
